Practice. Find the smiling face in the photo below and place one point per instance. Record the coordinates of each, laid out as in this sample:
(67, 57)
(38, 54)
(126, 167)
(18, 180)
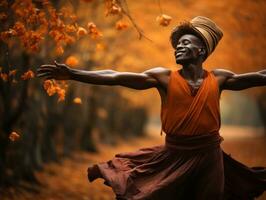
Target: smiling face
(189, 48)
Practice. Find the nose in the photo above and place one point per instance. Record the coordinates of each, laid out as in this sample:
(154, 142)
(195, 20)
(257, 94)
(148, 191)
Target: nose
(179, 46)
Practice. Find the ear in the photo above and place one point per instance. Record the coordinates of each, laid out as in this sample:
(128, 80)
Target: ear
(202, 51)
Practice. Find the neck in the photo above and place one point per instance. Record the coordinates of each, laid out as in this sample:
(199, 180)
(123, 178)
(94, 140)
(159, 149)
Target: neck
(192, 71)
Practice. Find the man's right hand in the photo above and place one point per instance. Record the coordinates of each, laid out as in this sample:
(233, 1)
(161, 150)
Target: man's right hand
(56, 71)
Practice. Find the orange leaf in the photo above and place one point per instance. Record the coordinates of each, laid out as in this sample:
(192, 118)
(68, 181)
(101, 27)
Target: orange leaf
(164, 20)
(77, 100)
(81, 31)
(27, 75)
(93, 30)
(59, 50)
(61, 94)
(49, 87)
(4, 76)
(12, 72)
(72, 61)
(14, 136)
(121, 25)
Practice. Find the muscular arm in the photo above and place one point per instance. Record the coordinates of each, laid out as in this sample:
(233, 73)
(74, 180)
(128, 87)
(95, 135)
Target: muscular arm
(140, 81)
(230, 81)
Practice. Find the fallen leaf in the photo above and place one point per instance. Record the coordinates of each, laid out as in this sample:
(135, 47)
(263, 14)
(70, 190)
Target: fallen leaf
(13, 136)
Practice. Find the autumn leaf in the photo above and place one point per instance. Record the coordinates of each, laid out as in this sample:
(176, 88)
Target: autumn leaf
(112, 7)
(59, 50)
(121, 25)
(72, 61)
(19, 27)
(93, 30)
(61, 94)
(12, 72)
(13, 136)
(4, 77)
(164, 20)
(71, 28)
(49, 87)
(81, 31)
(77, 100)
(52, 87)
(27, 75)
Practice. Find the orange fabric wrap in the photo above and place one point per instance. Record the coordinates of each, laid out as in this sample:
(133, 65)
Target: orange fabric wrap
(185, 114)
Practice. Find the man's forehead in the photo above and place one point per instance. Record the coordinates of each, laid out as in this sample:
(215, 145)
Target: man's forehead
(190, 37)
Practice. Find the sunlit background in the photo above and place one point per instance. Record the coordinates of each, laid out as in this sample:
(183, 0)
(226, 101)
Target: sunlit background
(59, 136)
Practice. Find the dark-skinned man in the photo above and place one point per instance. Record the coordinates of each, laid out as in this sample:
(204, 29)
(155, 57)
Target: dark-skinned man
(191, 164)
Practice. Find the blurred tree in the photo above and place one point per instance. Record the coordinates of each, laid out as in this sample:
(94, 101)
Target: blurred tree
(36, 31)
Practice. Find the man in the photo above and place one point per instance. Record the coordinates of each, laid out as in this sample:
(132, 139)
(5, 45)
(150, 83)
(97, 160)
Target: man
(191, 164)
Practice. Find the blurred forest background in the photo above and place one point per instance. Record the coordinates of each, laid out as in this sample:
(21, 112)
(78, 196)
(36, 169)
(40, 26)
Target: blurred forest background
(50, 131)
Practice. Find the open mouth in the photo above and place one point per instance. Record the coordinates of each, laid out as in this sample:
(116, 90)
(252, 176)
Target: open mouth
(179, 53)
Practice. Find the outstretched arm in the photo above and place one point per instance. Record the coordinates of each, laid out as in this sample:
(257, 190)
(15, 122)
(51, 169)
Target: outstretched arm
(231, 81)
(140, 81)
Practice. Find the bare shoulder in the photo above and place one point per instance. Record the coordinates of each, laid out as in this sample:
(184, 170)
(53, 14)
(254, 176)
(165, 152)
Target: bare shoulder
(223, 73)
(161, 74)
(158, 72)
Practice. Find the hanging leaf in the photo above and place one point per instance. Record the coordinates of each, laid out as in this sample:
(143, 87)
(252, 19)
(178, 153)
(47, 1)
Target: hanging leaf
(164, 20)
(13, 136)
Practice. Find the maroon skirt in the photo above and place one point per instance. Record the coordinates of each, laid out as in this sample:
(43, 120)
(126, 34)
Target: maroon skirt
(186, 167)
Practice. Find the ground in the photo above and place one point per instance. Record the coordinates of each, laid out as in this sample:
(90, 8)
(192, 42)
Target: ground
(67, 180)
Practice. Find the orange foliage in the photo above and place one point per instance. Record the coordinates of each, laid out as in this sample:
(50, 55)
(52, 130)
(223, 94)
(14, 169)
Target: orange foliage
(20, 29)
(77, 100)
(72, 61)
(59, 50)
(4, 76)
(164, 20)
(13, 136)
(61, 94)
(121, 25)
(49, 87)
(112, 7)
(70, 28)
(93, 31)
(52, 87)
(12, 72)
(81, 31)
(27, 75)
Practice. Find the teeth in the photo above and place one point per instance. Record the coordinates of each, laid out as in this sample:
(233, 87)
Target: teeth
(179, 53)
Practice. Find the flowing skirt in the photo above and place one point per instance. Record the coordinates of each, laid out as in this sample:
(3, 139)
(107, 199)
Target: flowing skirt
(186, 167)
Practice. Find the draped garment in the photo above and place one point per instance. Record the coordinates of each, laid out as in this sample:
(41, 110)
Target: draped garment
(191, 164)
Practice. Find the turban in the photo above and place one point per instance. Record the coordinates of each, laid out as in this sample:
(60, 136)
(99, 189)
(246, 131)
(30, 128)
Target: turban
(202, 27)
